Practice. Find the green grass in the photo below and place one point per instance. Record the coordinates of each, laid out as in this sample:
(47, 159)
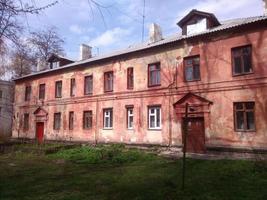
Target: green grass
(116, 173)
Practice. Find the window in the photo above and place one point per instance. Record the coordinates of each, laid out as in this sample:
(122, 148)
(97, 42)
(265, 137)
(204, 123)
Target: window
(108, 81)
(108, 118)
(154, 117)
(72, 87)
(87, 119)
(192, 68)
(1, 94)
(71, 120)
(130, 78)
(242, 60)
(130, 117)
(244, 116)
(41, 91)
(88, 85)
(26, 121)
(54, 64)
(154, 74)
(58, 89)
(57, 121)
(28, 93)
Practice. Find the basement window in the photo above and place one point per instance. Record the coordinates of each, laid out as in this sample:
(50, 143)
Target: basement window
(42, 91)
(154, 117)
(192, 68)
(242, 60)
(58, 91)
(108, 81)
(88, 85)
(87, 119)
(108, 118)
(57, 121)
(244, 116)
(154, 74)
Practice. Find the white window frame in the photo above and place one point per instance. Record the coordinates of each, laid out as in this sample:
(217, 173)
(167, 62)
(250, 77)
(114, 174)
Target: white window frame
(129, 115)
(108, 114)
(156, 109)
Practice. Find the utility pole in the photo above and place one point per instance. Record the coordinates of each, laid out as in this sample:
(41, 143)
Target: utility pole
(185, 131)
(143, 23)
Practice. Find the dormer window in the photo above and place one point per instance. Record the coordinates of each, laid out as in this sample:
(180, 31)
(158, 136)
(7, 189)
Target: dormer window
(199, 26)
(54, 65)
(197, 21)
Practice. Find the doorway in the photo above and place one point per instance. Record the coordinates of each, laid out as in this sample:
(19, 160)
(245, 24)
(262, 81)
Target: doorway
(40, 131)
(195, 142)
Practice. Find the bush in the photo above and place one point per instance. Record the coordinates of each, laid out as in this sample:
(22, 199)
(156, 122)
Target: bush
(102, 154)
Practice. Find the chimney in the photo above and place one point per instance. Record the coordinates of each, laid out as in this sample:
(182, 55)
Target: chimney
(85, 52)
(155, 33)
(265, 6)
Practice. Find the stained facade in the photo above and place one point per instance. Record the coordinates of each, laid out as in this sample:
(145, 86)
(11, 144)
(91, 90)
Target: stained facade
(138, 96)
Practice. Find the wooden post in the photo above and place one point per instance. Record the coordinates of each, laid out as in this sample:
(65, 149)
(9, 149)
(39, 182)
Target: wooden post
(185, 127)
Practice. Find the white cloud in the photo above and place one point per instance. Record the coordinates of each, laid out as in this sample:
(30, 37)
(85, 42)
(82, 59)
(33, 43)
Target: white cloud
(110, 37)
(76, 29)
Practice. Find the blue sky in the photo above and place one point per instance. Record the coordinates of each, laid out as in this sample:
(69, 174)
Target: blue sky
(78, 23)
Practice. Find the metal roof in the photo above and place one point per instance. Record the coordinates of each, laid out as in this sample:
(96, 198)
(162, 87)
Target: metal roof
(225, 25)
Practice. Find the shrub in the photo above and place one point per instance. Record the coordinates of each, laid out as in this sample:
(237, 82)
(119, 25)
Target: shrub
(102, 154)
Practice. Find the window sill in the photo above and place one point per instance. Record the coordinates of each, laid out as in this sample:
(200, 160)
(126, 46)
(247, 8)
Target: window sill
(107, 128)
(89, 94)
(150, 86)
(108, 91)
(242, 74)
(245, 131)
(192, 80)
(154, 129)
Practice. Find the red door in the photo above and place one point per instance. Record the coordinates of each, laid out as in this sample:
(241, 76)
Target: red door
(40, 131)
(195, 142)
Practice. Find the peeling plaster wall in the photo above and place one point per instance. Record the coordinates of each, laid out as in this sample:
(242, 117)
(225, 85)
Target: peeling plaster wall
(217, 85)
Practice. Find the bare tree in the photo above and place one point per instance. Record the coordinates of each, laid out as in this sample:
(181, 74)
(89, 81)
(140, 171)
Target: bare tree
(22, 61)
(38, 47)
(46, 42)
(10, 10)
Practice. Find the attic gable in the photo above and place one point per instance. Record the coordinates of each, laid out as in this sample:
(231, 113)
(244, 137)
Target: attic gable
(197, 21)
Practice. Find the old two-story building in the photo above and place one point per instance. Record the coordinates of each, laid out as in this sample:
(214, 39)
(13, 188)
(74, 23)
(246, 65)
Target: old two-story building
(138, 95)
(6, 108)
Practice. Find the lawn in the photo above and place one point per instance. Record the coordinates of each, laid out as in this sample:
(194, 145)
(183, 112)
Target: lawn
(117, 173)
